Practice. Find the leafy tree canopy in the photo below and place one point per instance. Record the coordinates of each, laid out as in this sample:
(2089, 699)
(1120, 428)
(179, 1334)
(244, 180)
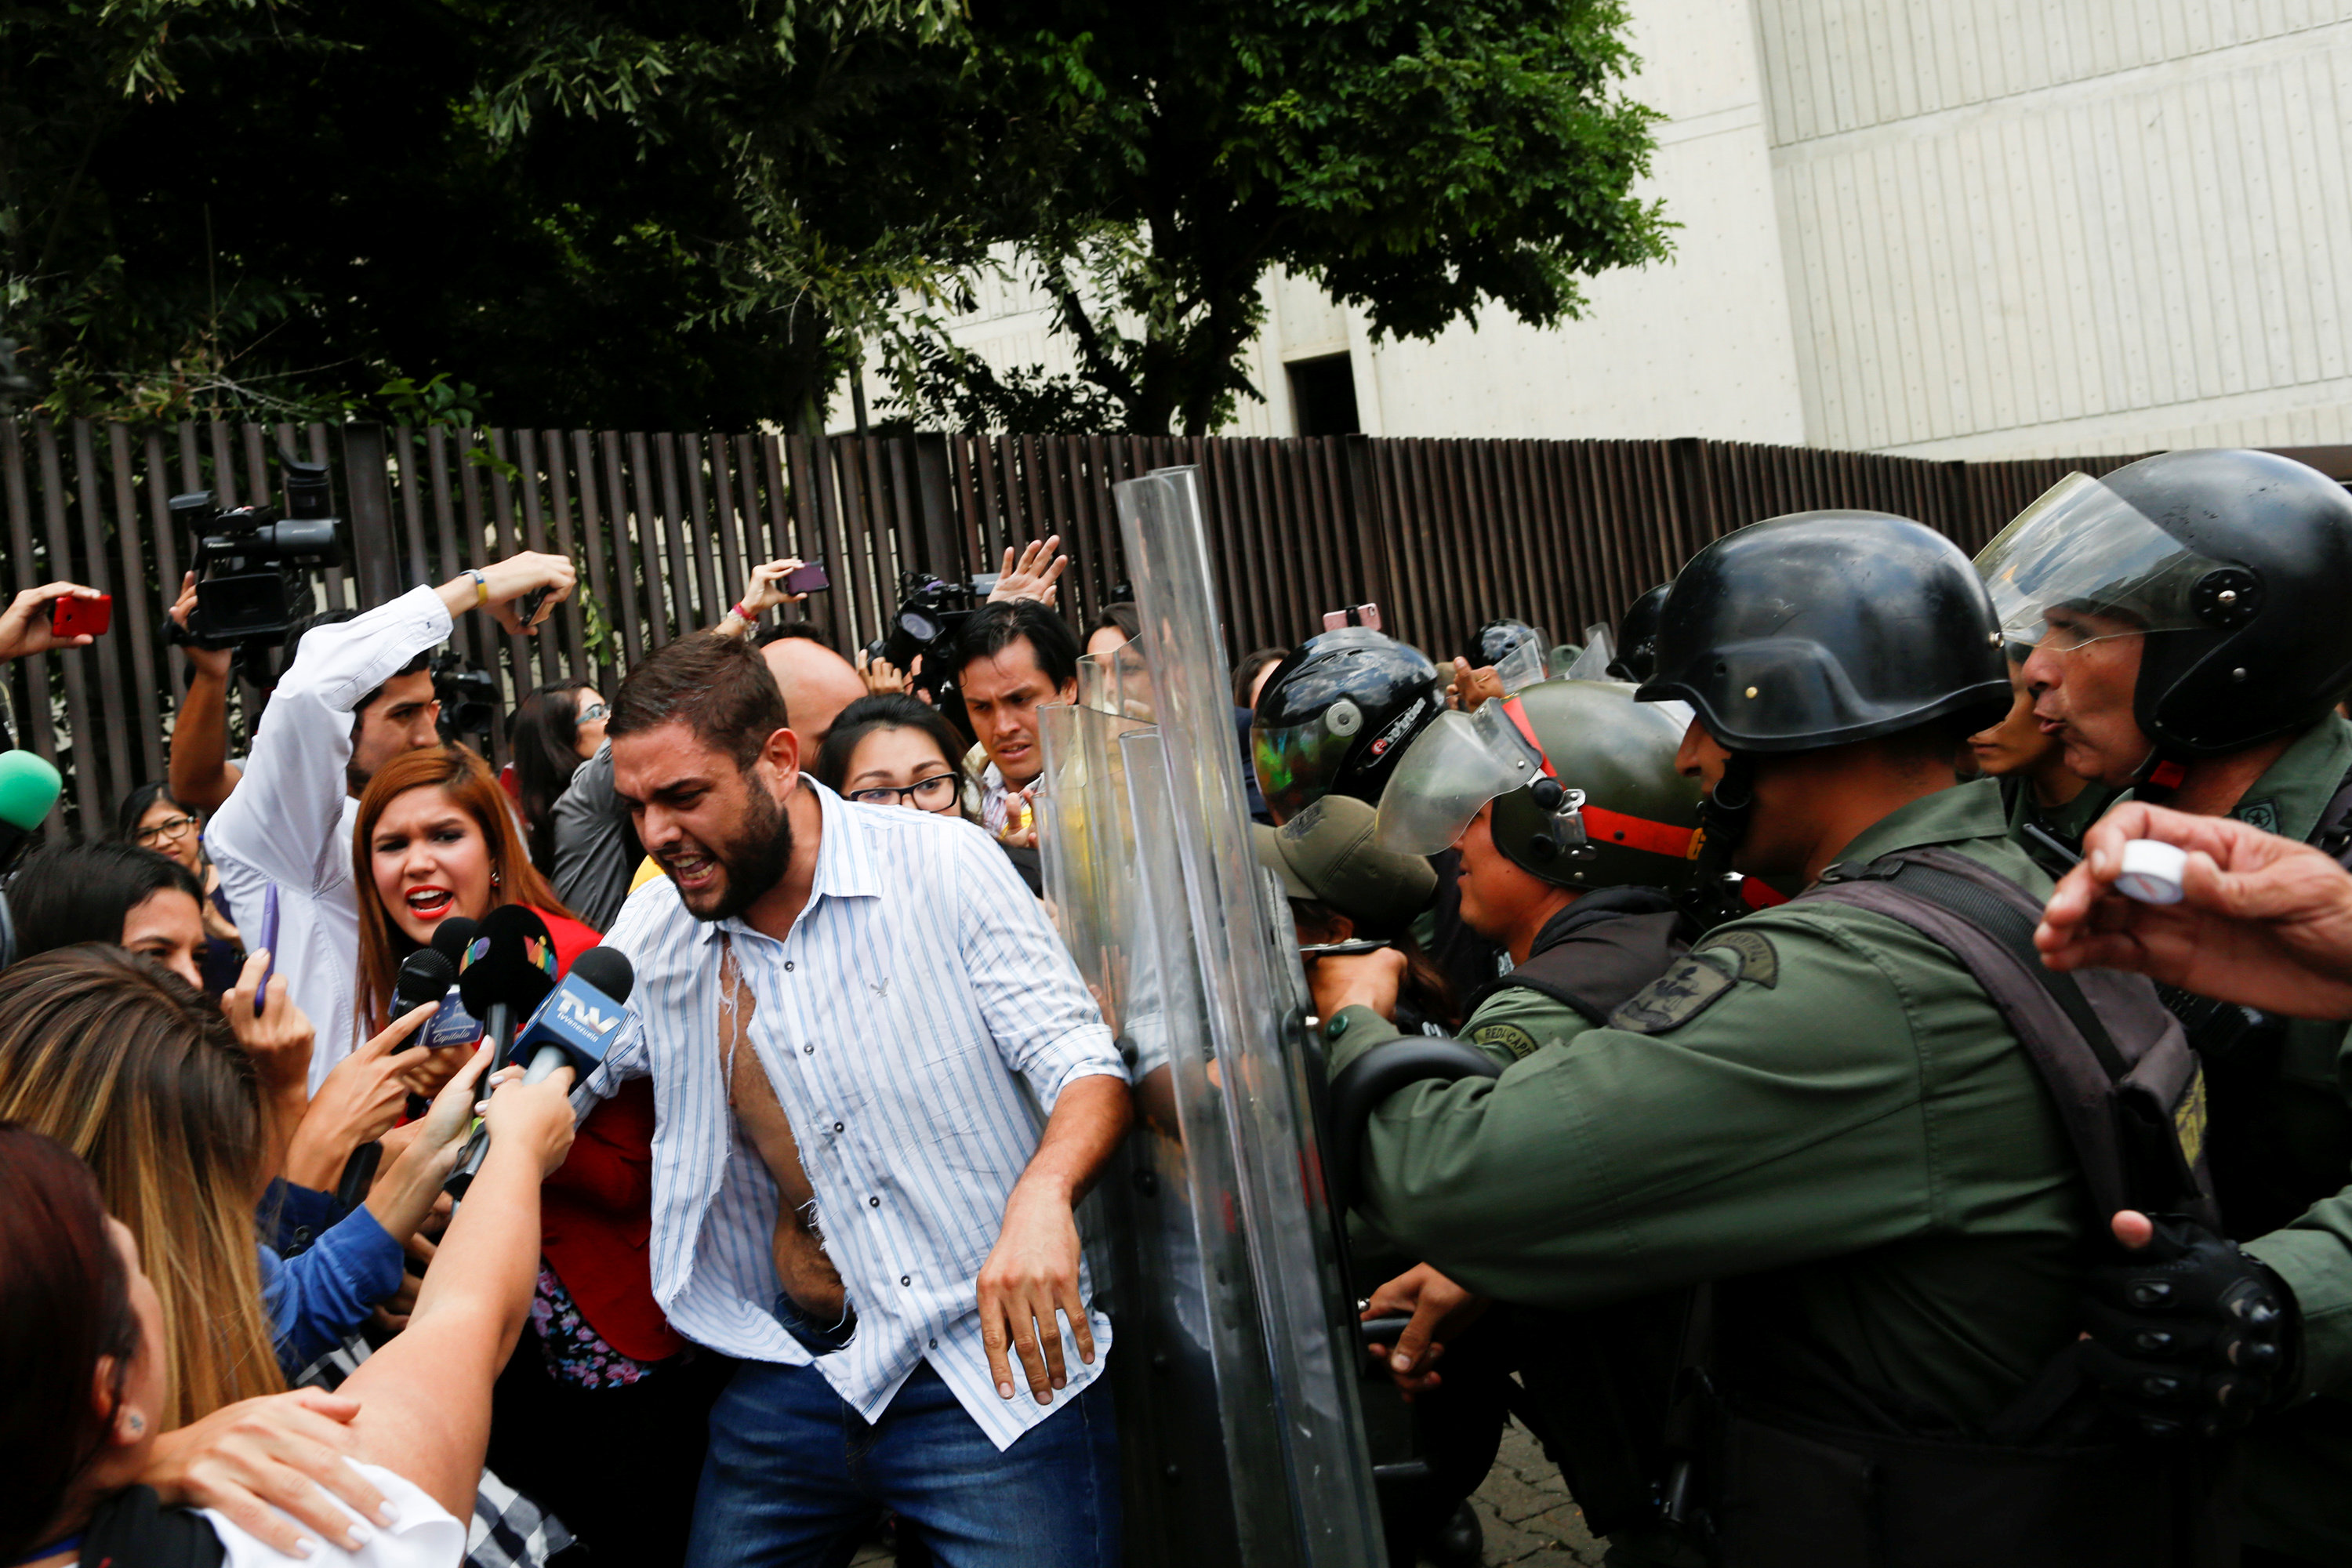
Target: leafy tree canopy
(677, 213)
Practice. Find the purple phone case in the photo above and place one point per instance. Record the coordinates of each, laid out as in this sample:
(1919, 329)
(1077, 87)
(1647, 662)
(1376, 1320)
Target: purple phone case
(268, 941)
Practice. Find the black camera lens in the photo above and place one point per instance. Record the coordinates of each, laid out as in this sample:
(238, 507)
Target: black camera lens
(307, 491)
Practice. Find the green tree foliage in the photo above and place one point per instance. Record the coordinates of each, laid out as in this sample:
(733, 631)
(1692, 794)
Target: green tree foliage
(662, 213)
(1421, 159)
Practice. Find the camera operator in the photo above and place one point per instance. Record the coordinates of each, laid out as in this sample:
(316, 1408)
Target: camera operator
(353, 697)
(1012, 658)
(201, 772)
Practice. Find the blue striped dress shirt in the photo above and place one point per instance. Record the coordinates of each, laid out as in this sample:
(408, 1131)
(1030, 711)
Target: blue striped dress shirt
(913, 1023)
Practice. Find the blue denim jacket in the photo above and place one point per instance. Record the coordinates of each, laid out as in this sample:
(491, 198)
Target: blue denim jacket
(322, 1293)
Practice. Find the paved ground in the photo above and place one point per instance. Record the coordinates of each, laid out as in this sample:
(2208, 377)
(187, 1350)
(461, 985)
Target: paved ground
(1528, 1518)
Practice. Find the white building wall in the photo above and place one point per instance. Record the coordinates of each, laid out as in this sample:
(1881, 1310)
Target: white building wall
(2097, 225)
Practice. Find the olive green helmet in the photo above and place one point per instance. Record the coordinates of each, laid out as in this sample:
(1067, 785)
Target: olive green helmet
(1582, 778)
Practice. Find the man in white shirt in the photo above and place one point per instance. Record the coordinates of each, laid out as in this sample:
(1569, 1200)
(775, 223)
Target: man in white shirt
(1012, 658)
(881, 1087)
(355, 696)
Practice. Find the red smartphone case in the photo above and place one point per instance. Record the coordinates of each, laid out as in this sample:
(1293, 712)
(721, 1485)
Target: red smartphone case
(73, 616)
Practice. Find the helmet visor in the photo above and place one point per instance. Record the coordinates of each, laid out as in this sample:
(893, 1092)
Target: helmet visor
(1454, 767)
(1296, 763)
(2081, 563)
(1521, 667)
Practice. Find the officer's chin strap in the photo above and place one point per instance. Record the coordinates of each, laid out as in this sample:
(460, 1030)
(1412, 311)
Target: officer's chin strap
(1715, 893)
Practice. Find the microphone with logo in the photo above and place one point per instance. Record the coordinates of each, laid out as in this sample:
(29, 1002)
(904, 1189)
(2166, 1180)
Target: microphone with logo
(29, 787)
(572, 1028)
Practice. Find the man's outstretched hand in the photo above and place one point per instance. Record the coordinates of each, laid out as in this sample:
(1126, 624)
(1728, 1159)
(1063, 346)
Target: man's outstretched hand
(2262, 920)
(1036, 575)
(25, 623)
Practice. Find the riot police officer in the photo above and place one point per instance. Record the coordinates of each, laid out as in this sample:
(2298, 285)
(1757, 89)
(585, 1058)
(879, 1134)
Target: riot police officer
(1822, 1108)
(1637, 638)
(1575, 831)
(2189, 640)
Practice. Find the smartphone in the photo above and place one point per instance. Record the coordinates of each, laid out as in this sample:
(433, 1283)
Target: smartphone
(268, 939)
(74, 616)
(808, 578)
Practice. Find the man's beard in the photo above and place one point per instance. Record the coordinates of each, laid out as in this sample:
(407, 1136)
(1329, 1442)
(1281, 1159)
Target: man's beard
(753, 860)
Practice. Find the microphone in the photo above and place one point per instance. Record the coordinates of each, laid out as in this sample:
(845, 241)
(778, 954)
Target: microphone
(424, 976)
(509, 965)
(509, 968)
(451, 937)
(29, 787)
(571, 1028)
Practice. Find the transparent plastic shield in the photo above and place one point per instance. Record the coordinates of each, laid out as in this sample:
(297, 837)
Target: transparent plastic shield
(1521, 667)
(1299, 1472)
(2081, 562)
(1600, 653)
(1454, 767)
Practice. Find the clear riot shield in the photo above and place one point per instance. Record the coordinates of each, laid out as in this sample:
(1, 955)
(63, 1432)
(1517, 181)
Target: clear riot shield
(1234, 1367)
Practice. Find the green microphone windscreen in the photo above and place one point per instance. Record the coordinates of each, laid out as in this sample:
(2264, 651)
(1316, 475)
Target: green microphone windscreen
(28, 788)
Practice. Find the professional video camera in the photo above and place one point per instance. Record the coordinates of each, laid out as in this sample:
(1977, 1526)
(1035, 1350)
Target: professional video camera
(248, 593)
(931, 611)
(468, 695)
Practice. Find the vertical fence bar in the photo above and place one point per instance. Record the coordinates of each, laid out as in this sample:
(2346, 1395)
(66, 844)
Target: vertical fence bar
(34, 730)
(136, 609)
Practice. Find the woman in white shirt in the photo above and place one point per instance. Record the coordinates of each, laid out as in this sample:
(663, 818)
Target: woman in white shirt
(81, 1358)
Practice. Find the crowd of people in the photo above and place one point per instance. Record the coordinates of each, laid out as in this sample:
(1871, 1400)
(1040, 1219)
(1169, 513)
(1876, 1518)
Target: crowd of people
(1840, 1149)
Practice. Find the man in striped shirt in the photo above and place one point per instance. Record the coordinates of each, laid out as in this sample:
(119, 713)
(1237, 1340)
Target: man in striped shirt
(881, 1087)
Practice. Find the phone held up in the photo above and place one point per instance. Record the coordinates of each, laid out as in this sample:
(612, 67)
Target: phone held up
(74, 615)
(808, 578)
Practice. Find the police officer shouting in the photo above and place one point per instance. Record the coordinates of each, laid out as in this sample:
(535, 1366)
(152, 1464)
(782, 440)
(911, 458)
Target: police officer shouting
(2190, 638)
(1820, 1107)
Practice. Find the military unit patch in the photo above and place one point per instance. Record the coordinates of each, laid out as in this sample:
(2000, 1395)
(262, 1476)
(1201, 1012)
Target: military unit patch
(1674, 999)
(2261, 814)
(1509, 1036)
(1757, 959)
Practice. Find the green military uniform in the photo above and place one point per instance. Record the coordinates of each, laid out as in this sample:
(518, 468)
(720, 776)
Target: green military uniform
(2069, 821)
(2298, 1465)
(1819, 1102)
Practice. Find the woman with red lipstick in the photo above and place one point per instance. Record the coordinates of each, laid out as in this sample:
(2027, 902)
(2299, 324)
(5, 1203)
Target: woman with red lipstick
(599, 1371)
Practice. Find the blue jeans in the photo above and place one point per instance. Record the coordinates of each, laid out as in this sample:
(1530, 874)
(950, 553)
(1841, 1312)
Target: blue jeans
(794, 1475)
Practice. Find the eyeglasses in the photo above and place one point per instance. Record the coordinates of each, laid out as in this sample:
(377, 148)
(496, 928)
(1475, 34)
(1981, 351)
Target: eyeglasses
(172, 829)
(930, 794)
(590, 714)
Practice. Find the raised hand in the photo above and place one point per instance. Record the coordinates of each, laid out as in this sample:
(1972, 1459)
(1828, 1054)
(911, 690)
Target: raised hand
(25, 623)
(1036, 575)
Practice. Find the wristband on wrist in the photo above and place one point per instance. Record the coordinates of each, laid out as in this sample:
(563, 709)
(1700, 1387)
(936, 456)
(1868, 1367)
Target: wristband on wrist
(741, 614)
(481, 587)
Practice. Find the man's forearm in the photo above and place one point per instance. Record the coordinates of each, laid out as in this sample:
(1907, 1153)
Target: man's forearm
(200, 773)
(1089, 1118)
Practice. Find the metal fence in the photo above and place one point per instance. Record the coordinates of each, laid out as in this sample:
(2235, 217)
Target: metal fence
(1442, 535)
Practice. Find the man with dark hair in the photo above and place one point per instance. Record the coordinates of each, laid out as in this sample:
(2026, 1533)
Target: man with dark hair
(355, 695)
(913, 1060)
(1013, 658)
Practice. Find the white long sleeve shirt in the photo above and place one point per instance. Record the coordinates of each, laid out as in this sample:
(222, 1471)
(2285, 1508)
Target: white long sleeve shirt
(290, 820)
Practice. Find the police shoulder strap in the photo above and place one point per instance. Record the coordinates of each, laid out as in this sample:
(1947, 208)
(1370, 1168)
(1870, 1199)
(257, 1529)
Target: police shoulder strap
(2116, 1062)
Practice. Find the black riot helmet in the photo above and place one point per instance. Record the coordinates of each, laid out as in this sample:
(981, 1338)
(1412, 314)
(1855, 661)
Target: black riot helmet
(1824, 628)
(1496, 641)
(1637, 638)
(1335, 717)
(2232, 564)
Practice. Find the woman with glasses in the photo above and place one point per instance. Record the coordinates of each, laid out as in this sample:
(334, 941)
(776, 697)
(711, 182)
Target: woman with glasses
(554, 731)
(894, 749)
(150, 818)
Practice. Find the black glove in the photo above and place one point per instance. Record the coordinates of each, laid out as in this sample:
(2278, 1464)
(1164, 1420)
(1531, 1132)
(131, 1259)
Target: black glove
(2188, 1333)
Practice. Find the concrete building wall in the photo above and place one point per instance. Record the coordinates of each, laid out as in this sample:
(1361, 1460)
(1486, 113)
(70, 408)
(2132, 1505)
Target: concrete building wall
(2096, 226)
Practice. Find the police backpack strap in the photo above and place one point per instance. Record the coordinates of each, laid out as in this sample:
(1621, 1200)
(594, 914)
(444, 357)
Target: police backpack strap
(2115, 1060)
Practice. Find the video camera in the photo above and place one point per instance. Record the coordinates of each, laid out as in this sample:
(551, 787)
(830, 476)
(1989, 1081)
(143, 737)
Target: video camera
(469, 697)
(931, 611)
(247, 594)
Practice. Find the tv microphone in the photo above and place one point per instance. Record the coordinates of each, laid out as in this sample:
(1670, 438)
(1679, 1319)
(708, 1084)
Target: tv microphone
(572, 1028)
(424, 976)
(29, 787)
(508, 970)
